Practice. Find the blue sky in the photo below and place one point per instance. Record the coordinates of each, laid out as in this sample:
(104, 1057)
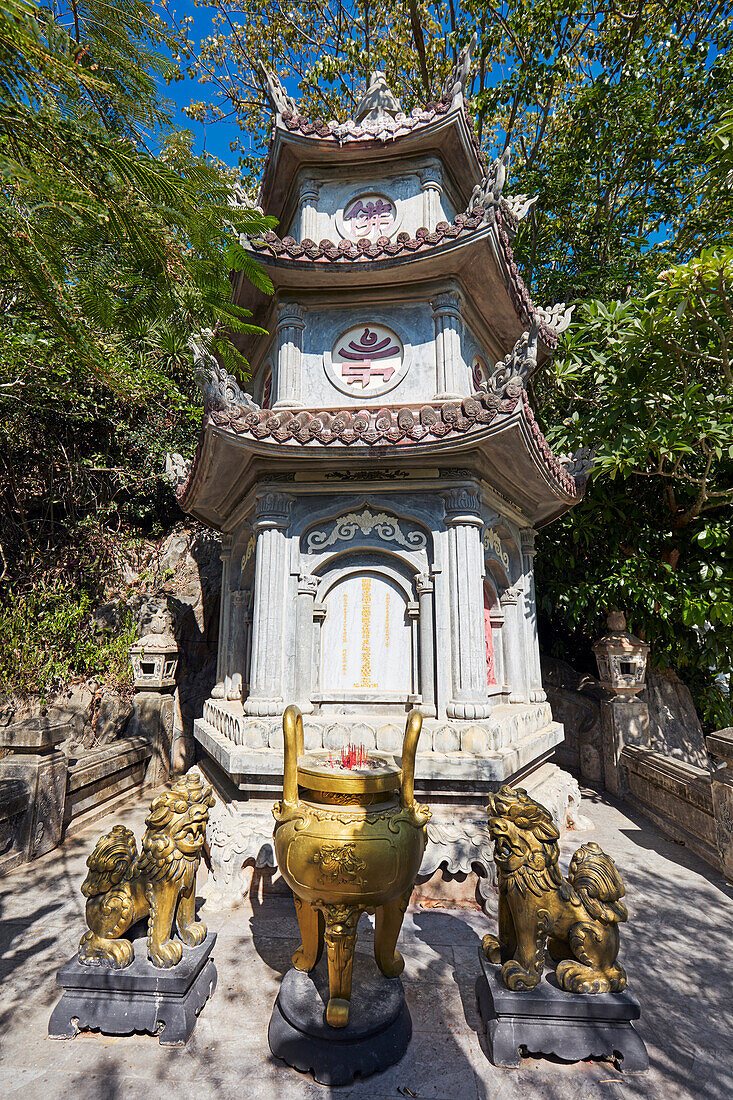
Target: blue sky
(214, 138)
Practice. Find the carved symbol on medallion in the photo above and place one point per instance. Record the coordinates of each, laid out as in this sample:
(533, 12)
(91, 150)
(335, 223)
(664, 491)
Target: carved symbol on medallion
(368, 357)
(339, 863)
(369, 216)
(364, 352)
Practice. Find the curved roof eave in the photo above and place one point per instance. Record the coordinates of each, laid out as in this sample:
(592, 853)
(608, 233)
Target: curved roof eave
(519, 463)
(447, 250)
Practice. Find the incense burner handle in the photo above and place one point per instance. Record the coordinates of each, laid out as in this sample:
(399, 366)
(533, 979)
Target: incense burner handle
(409, 748)
(292, 749)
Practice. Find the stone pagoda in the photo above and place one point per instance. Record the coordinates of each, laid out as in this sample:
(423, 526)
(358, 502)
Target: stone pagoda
(379, 487)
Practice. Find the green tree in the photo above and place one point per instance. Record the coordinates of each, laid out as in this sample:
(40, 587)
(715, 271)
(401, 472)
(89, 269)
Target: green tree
(647, 383)
(116, 244)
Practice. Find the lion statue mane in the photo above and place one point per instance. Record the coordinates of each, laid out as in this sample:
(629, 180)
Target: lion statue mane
(121, 886)
(577, 918)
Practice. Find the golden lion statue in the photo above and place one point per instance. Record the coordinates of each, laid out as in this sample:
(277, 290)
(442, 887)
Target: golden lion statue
(160, 883)
(577, 918)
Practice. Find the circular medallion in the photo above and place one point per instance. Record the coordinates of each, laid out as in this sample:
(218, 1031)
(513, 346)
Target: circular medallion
(367, 217)
(367, 360)
(479, 371)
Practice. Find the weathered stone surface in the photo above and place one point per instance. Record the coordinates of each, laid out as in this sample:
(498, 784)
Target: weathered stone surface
(102, 775)
(476, 740)
(255, 735)
(33, 735)
(677, 796)
(674, 727)
(446, 739)
(575, 700)
(14, 805)
(624, 722)
(115, 712)
(336, 736)
(44, 775)
(153, 719)
(361, 734)
(720, 745)
(389, 738)
(312, 736)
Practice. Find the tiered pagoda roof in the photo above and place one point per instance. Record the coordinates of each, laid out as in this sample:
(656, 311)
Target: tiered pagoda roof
(495, 425)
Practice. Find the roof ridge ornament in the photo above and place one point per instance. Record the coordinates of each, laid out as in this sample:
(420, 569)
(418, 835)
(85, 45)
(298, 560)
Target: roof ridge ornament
(455, 84)
(514, 209)
(579, 464)
(219, 388)
(557, 317)
(280, 102)
(511, 374)
(378, 100)
(487, 194)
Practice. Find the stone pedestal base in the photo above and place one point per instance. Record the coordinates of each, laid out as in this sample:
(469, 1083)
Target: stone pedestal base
(376, 1036)
(546, 1020)
(141, 997)
(623, 722)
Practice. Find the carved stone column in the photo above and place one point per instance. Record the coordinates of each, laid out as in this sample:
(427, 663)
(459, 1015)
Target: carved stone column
(272, 512)
(448, 357)
(513, 643)
(234, 668)
(425, 595)
(465, 564)
(308, 200)
(497, 620)
(290, 325)
(431, 185)
(219, 690)
(304, 638)
(534, 672)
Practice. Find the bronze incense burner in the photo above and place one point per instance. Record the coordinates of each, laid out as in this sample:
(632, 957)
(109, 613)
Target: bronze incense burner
(349, 838)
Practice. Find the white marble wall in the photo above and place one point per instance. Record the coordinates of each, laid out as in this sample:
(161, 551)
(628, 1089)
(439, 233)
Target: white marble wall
(419, 194)
(379, 601)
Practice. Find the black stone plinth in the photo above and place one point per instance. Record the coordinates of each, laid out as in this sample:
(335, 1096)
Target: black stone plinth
(142, 997)
(547, 1020)
(376, 1036)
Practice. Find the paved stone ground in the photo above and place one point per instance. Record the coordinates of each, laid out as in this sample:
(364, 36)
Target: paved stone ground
(677, 950)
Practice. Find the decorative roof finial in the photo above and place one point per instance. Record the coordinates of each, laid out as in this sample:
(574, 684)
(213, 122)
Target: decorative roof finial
(219, 388)
(455, 85)
(511, 375)
(488, 193)
(377, 101)
(279, 100)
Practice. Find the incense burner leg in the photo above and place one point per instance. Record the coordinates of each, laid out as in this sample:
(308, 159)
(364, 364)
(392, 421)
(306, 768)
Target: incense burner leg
(310, 922)
(387, 926)
(340, 937)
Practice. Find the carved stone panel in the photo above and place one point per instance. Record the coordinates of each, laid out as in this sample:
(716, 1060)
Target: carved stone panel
(346, 528)
(366, 637)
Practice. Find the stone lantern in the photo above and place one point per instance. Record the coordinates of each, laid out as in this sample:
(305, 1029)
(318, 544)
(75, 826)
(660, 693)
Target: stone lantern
(154, 658)
(621, 658)
(154, 661)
